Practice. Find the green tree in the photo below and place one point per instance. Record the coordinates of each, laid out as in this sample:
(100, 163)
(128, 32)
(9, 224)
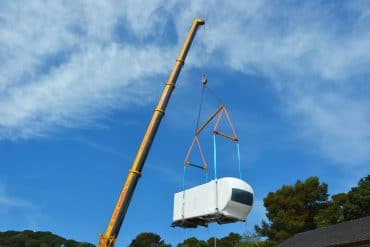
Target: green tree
(333, 212)
(211, 241)
(358, 204)
(292, 209)
(148, 239)
(346, 206)
(36, 239)
(193, 242)
(254, 240)
(32, 243)
(231, 240)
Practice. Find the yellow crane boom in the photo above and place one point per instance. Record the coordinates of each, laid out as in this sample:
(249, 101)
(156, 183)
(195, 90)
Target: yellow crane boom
(109, 237)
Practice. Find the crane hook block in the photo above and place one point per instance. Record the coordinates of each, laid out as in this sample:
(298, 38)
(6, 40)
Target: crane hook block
(204, 80)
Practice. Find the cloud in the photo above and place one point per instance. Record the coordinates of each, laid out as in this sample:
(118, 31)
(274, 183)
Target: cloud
(67, 73)
(67, 64)
(7, 201)
(339, 124)
(317, 57)
(14, 202)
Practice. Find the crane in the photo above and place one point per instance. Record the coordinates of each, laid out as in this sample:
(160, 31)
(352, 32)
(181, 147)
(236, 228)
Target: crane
(108, 238)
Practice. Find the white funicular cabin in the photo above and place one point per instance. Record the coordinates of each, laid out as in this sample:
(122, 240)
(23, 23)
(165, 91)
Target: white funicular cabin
(224, 200)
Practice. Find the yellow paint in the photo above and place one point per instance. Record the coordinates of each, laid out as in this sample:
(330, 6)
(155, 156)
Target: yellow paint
(109, 237)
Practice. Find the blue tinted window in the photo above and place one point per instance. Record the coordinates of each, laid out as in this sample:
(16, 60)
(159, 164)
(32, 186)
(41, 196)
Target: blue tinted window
(242, 196)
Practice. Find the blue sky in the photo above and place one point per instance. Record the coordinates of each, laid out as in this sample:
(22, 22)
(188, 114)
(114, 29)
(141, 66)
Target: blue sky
(79, 81)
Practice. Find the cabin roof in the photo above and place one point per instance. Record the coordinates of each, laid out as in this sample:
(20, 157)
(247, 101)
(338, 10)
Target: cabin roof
(350, 233)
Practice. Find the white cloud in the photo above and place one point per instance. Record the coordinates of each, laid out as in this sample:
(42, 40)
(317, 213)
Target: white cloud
(62, 65)
(340, 125)
(318, 61)
(96, 75)
(7, 201)
(71, 93)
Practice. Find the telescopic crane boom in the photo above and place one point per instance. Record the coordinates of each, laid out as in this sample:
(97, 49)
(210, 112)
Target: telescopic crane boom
(109, 237)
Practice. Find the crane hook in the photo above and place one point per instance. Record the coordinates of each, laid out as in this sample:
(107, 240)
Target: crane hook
(204, 80)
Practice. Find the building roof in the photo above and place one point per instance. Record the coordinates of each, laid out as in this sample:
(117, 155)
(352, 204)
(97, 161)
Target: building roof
(344, 234)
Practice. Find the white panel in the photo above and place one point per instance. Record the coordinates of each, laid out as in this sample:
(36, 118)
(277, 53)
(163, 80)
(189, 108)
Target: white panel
(203, 200)
(235, 209)
(199, 200)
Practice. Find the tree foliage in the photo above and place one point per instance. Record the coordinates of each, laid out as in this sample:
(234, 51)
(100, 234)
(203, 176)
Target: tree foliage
(231, 240)
(148, 239)
(193, 242)
(333, 212)
(254, 240)
(36, 239)
(347, 206)
(358, 202)
(292, 209)
(305, 206)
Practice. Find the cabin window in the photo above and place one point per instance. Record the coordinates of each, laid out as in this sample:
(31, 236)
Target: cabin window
(242, 196)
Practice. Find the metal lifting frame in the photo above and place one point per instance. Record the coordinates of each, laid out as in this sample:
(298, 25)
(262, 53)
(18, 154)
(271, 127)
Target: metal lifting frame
(187, 163)
(218, 113)
(201, 128)
(215, 129)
